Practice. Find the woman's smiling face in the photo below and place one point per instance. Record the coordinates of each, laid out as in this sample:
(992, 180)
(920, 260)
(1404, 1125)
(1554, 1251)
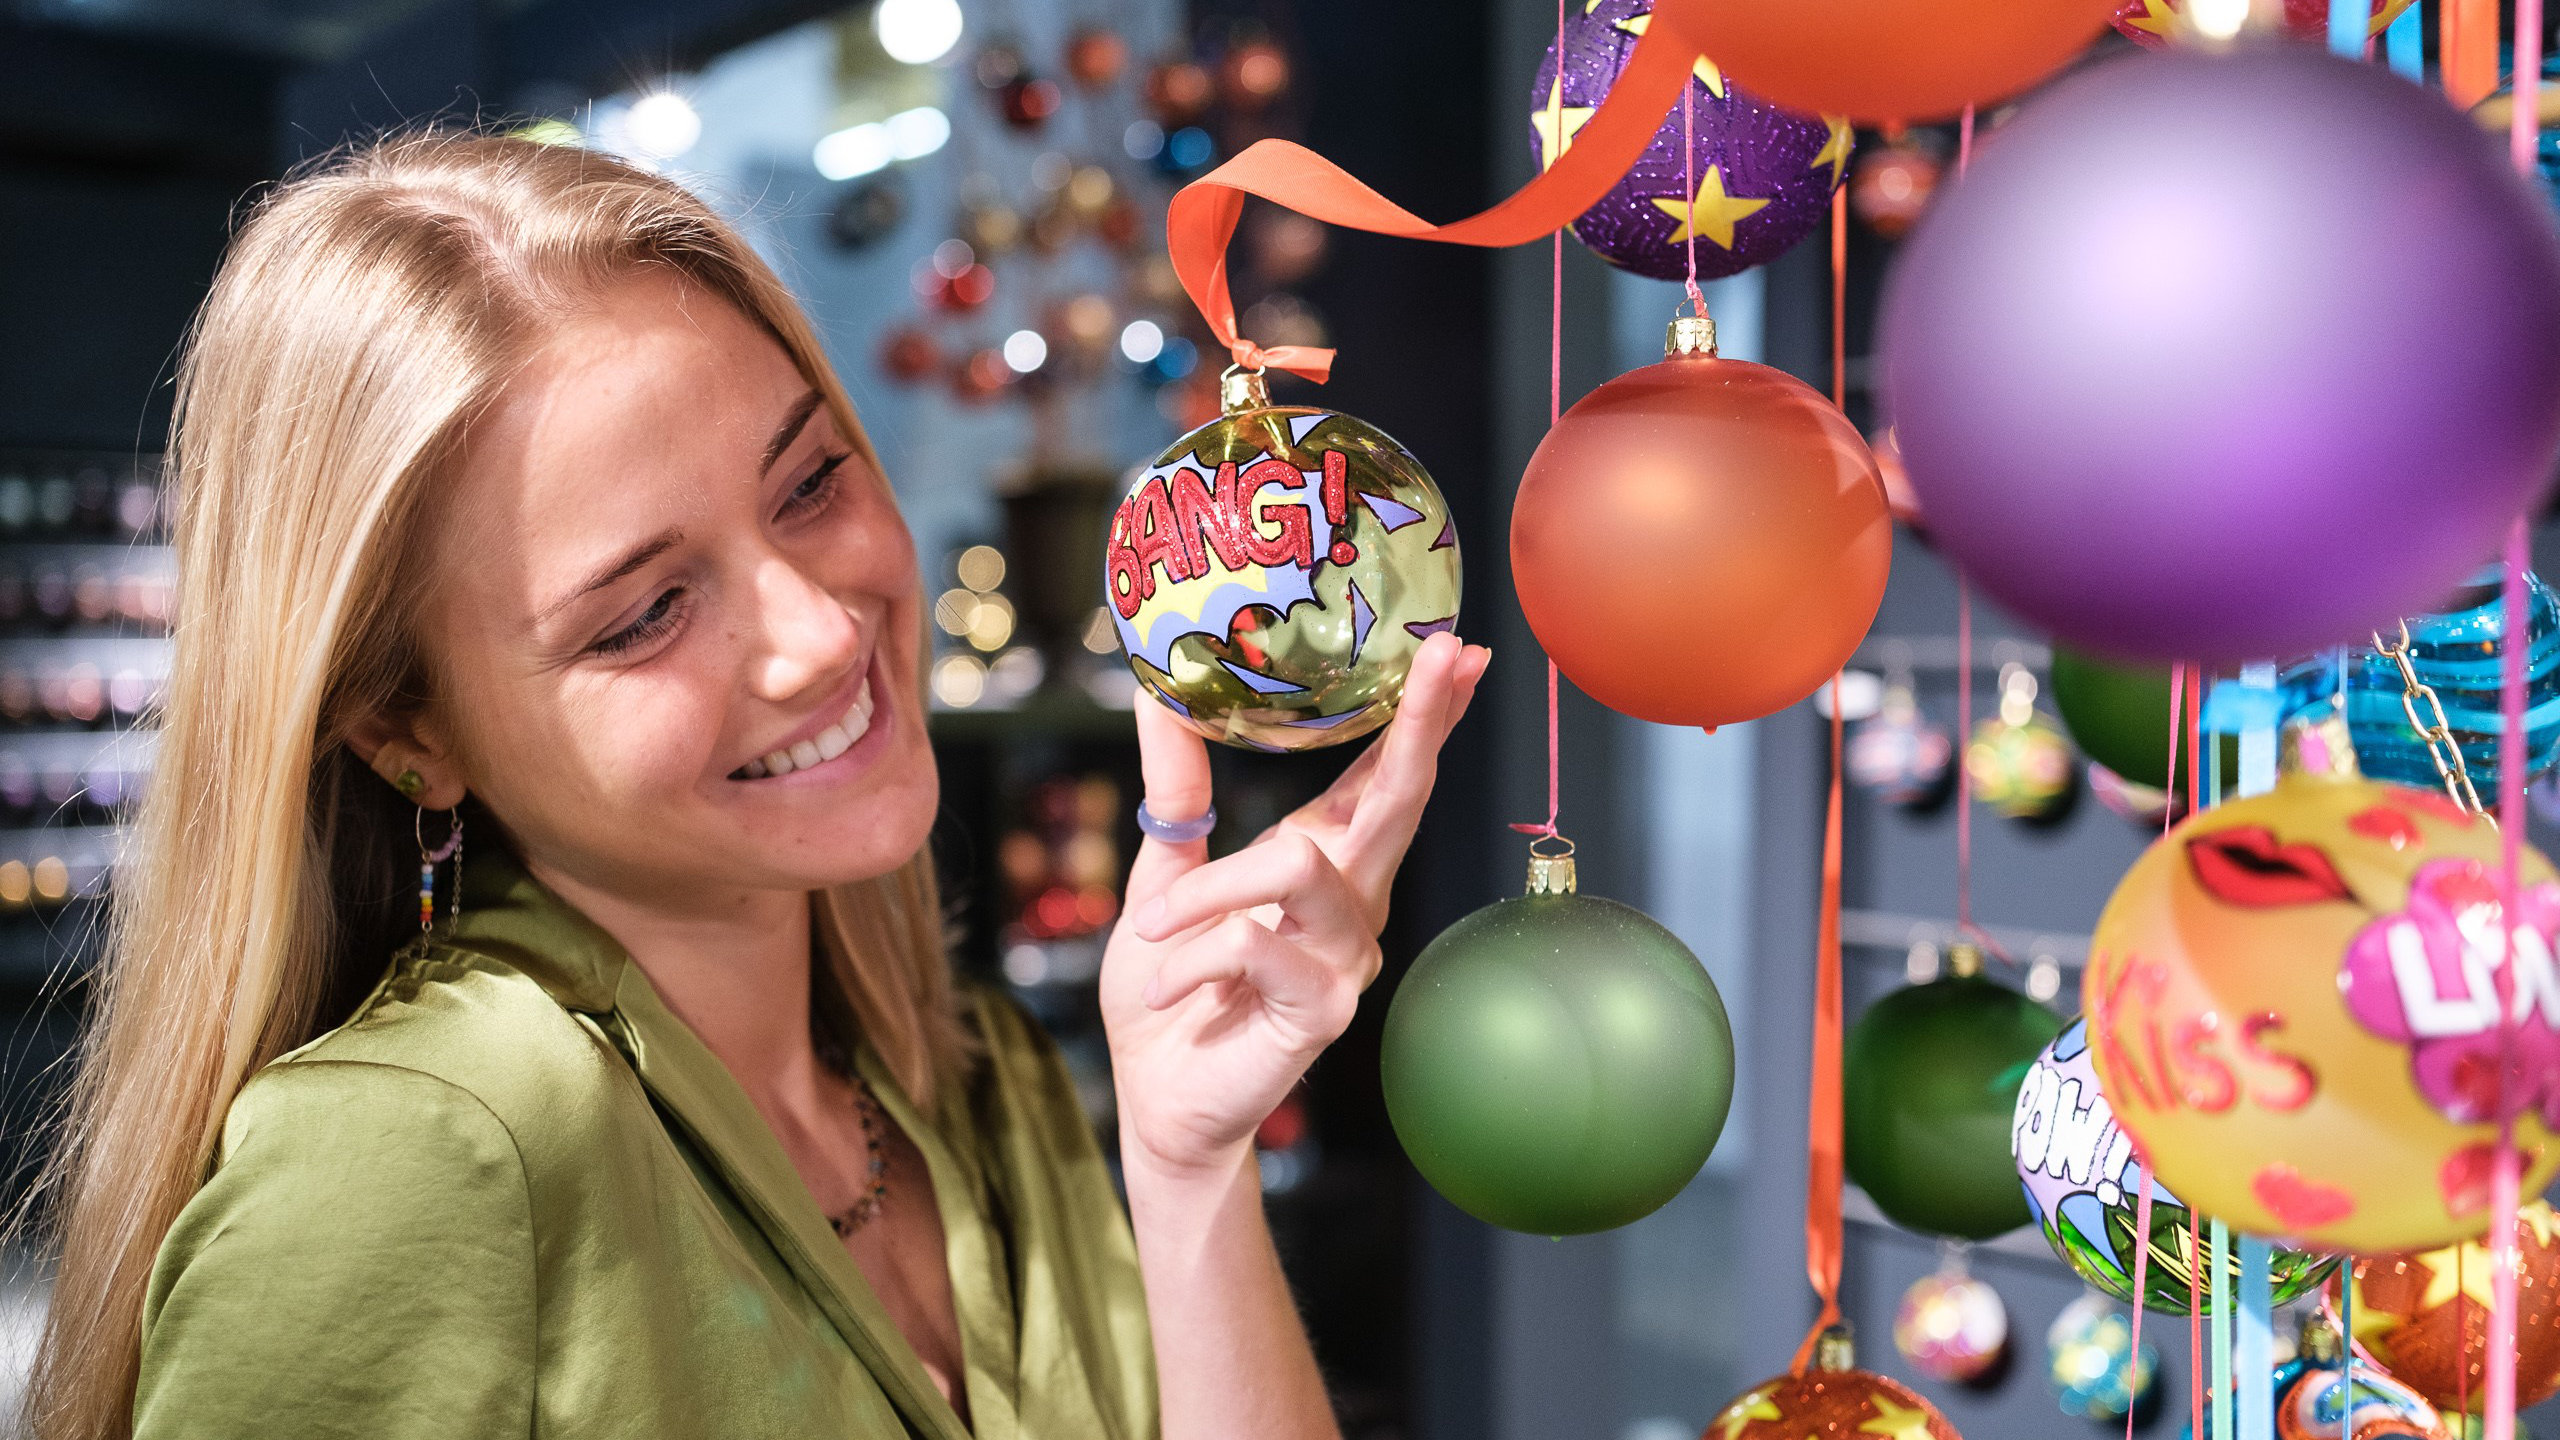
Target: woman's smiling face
(674, 616)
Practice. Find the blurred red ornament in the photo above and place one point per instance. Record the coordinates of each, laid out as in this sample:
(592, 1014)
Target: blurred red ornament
(1830, 1401)
(1254, 75)
(1702, 541)
(1286, 245)
(2425, 1316)
(1178, 91)
(982, 376)
(1118, 224)
(966, 289)
(910, 354)
(2156, 22)
(1284, 1126)
(1095, 57)
(1891, 183)
(1028, 102)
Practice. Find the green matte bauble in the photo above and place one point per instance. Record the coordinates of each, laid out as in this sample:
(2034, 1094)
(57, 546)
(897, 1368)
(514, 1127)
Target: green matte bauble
(1558, 1064)
(2119, 716)
(1929, 1085)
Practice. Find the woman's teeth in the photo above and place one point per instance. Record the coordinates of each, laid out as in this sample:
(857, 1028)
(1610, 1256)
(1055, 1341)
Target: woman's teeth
(826, 745)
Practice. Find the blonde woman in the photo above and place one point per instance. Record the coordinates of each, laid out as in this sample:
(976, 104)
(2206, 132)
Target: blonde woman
(517, 505)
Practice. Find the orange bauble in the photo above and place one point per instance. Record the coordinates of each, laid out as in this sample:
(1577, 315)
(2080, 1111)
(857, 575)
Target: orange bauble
(1886, 60)
(1700, 542)
(2292, 1007)
(1830, 1401)
(2426, 1316)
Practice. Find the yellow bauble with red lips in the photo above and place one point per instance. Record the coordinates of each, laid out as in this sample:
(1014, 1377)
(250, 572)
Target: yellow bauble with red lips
(2292, 1004)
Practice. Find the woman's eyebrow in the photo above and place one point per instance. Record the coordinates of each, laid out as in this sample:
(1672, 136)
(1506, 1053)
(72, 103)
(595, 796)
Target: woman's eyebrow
(631, 560)
(783, 435)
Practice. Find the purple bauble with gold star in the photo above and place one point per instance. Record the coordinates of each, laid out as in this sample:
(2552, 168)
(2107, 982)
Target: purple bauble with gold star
(1758, 178)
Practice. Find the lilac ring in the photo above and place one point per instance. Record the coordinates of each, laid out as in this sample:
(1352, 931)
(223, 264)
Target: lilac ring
(1177, 832)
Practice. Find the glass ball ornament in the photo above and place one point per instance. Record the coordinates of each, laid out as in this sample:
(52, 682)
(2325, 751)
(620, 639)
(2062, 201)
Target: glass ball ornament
(2292, 1009)
(1095, 57)
(1830, 1400)
(2456, 652)
(1736, 179)
(1929, 1086)
(1702, 541)
(2091, 1363)
(1900, 753)
(910, 354)
(2155, 23)
(2313, 1392)
(1178, 92)
(1951, 1326)
(2083, 1181)
(1891, 184)
(2425, 1316)
(1272, 574)
(1557, 1063)
(2017, 760)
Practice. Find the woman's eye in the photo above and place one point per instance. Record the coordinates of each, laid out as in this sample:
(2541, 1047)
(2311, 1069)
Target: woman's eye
(814, 492)
(659, 618)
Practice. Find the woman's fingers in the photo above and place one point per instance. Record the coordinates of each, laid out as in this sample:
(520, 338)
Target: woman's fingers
(1174, 765)
(1436, 695)
(1290, 977)
(1292, 874)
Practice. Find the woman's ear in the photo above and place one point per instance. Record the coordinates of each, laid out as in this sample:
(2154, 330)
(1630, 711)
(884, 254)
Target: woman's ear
(410, 759)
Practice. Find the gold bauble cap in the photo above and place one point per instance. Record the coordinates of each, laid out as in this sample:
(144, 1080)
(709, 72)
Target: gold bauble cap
(1832, 1349)
(1240, 390)
(2319, 748)
(1690, 335)
(1551, 874)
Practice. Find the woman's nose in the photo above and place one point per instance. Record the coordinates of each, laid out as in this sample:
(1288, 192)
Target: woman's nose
(810, 637)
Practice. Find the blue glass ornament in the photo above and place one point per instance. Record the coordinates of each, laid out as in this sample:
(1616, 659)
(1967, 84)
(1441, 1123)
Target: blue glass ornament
(2456, 653)
(2091, 1362)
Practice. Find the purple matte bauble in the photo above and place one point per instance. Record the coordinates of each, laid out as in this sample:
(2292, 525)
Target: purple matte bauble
(2211, 358)
(1774, 170)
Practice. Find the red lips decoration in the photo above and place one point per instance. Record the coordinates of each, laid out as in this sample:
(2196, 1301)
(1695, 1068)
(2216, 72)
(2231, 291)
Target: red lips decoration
(2245, 865)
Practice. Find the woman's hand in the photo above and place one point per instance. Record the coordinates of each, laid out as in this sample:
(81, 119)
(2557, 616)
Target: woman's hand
(1225, 979)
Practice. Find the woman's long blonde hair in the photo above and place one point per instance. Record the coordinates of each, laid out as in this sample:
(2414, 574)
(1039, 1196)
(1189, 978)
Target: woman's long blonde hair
(366, 312)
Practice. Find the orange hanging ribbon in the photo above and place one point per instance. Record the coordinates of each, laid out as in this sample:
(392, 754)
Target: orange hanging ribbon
(1823, 1145)
(2468, 49)
(1202, 219)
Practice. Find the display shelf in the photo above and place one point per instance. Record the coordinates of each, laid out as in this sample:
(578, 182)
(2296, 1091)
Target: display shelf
(1877, 930)
(85, 585)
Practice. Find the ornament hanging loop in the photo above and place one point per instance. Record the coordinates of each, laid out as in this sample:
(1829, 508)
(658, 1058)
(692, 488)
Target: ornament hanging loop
(1241, 387)
(1551, 871)
(1690, 335)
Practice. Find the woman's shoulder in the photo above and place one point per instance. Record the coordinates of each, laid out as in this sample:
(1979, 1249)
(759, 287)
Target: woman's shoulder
(453, 1036)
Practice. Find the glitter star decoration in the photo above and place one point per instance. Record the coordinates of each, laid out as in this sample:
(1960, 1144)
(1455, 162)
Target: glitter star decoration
(1835, 148)
(1711, 212)
(1757, 1405)
(1557, 123)
(1895, 1422)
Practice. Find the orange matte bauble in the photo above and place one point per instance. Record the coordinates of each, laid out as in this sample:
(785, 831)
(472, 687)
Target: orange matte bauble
(1700, 542)
(1830, 1400)
(1886, 60)
(2292, 1008)
(2426, 1316)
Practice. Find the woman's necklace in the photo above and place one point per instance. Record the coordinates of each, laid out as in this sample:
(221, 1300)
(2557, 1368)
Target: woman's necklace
(863, 1211)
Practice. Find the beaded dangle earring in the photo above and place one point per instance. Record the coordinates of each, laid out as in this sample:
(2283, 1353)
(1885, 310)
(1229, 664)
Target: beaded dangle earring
(410, 784)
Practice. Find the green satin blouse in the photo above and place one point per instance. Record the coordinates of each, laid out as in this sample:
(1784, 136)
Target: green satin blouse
(514, 1195)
